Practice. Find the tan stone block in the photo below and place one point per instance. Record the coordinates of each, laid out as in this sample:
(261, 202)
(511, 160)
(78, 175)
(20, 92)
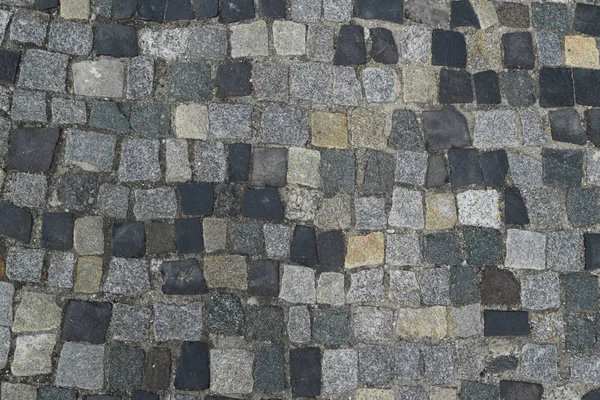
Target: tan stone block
(484, 51)
(214, 231)
(88, 238)
(581, 52)
(440, 393)
(374, 394)
(88, 275)
(228, 271)
(365, 250)
(367, 129)
(75, 9)
(191, 121)
(420, 84)
(329, 130)
(303, 167)
(440, 211)
(430, 322)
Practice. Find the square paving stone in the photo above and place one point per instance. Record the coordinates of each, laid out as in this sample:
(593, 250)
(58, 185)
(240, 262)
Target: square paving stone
(464, 167)
(514, 15)
(57, 231)
(587, 19)
(375, 365)
(196, 198)
(515, 211)
(562, 167)
(264, 278)
(556, 87)
(128, 239)
(518, 50)
(230, 121)
(582, 209)
(183, 277)
(24, 264)
(330, 326)
(483, 246)
(550, 16)
(549, 49)
(130, 323)
(226, 315)
(29, 27)
(464, 287)
(455, 87)
(441, 248)
(89, 150)
(303, 249)
(157, 368)
(29, 106)
(123, 9)
(444, 129)
(379, 173)
(81, 365)
(235, 10)
(193, 372)
(9, 61)
(470, 390)
(271, 8)
(188, 235)
(449, 49)
(32, 149)
(587, 86)
(579, 332)
(160, 237)
(152, 10)
(463, 14)
(66, 111)
(111, 115)
(437, 173)
(505, 323)
(338, 171)
(581, 291)
(350, 48)
(387, 10)
(518, 88)
(331, 251)
(494, 165)
(30, 190)
(139, 161)
(262, 204)
(190, 82)
(127, 276)
(539, 362)
(86, 321)
(405, 133)
(149, 120)
(125, 365)
(269, 370)
(15, 222)
(43, 70)
(435, 286)
(285, 124)
(54, 393)
(231, 371)
(383, 48)
(566, 126)
(234, 79)
(269, 166)
(178, 10)
(540, 291)
(305, 371)
(487, 87)
(238, 162)
(271, 81)
(116, 40)
(265, 324)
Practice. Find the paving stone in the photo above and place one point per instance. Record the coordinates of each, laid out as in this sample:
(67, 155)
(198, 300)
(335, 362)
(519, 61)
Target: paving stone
(379, 174)
(121, 10)
(277, 240)
(88, 237)
(479, 208)
(525, 250)
(437, 360)
(366, 286)
(586, 86)
(376, 365)
(29, 106)
(562, 167)
(311, 82)
(24, 265)
(116, 40)
(531, 127)
(437, 174)
(518, 88)
(585, 369)
(563, 251)
(365, 250)
(370, 324)
(487, 87)
(404, 288)
(127, 277)
(435, 286)
(29, 27)
(556, 87)
(411, 167)
(191, 121)
(160, 237)
(266, 323)
(89, 150)
(226, 314)
(303, 167)
(16, 222)
(408, 358)
(176, 156)
(455, 87)
(486, 133)
(581, 52)
(303, 249)
(289, 38)
(66, 111)
(172, 322)
(581, 206)
(331, 250)
(125, 367)
(526, 169)
(50, 392)
(245, 237)
(585, 19)
(152, 10)
(463, 14)
(407, 209)
(514, 15)
(464, 288)
(467, 320)
(18, 391)
(190, 82)
(494, 165)
(269, 372)
(262, 204)
(209, 161)
(61, 269)
(102, 78)
(227, 271)
(188, 235)
(298, 285)
(350, 48)
(249, 40)
(541, 291)
(380, 9)
(193, 371)
(403, 249)
(113, 201)
(446, 128)
(130, 323)
(298, 326)
(464, 167)
(75, 9)
(110, 115)
(370, 213)
(285, 124)
(441, 248)
(518, 50)
(30, 190)
(579, 332)
(367, 129)
(539, 362)
(272, 8)
(338, 171)
(549, 48)
(470, 390)
(483, 246)
(429, 322)
(81, 365)
(330, 326)
(378, 84)
(140, 77)
(57, 231)
(330, 288)
(419, 84)
(270, 81)
(234, 79)
(505, 323)
(151, 120)
(178, 10)
(329, 130)
(580, 290)
(383, 46)
(196, 198)
(231, 371)
(319, 46)
(32, 149)
(566, 126)
(340, 370)
(448, 49)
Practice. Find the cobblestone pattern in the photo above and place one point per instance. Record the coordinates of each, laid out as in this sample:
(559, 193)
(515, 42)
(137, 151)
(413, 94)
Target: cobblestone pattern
(367, 199)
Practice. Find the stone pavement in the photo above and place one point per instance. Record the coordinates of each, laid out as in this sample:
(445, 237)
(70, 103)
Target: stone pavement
(366, 199)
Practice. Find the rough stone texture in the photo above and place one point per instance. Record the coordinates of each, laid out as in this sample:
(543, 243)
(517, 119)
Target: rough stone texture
(102, 78)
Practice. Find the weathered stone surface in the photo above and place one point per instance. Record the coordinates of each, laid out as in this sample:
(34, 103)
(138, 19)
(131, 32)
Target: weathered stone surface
(102, 78)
